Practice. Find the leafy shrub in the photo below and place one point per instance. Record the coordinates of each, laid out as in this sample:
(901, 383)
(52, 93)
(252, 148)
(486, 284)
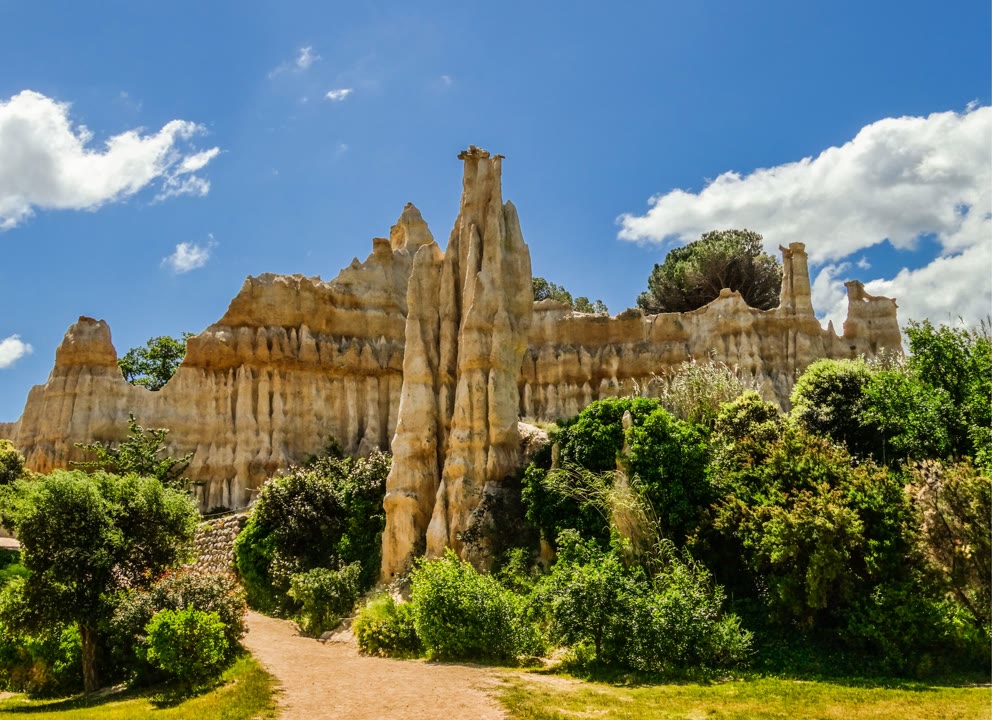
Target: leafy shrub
(188, 645)
(44, 663)
(324, 515)
(387, 628)
(688, 627)
(206, 592)
(324, 596)
(954, 507)
(11, 463)
(462, 614)
(671, 623)
(589, 598)
(667, 462)
(827, 400)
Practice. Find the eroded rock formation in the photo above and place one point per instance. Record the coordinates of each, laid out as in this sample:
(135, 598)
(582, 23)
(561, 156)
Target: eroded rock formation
(466, 333)
(435, 353)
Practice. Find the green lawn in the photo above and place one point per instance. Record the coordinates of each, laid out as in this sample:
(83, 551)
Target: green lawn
(529, 697)
(245, 693)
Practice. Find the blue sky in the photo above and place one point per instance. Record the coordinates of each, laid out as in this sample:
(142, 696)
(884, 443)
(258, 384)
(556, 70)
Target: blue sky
(281, 137)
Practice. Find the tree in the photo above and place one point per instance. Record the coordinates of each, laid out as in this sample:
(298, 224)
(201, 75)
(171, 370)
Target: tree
(154, 365)
(11, 463)
(544, 290)
(693, 275)
(138, 454)
(85, 538)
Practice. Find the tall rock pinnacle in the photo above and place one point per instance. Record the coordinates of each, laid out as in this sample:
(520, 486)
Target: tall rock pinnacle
(466, 334)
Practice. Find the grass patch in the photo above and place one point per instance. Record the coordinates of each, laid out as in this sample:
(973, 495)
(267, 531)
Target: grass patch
(555, 698)
(244, 692)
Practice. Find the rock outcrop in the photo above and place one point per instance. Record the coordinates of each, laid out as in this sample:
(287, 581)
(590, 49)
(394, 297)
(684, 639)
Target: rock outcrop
(437, 354)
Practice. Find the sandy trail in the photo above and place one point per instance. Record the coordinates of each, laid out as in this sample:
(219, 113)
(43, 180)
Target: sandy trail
(335, 681)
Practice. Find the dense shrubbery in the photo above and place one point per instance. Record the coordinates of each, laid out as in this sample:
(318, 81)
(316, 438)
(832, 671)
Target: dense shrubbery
(184, 590)
(188, 645)
(462, 614)
(312, 543)
(324, 596)
(385, 627)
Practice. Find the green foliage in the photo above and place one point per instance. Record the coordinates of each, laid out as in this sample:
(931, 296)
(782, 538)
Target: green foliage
(11, 463)
(41, 663)
(139, 454)
(86, 537)
(188, 645)
(827, 400)
(954, 507)
(816, 527)
(325, 515)
(958, 361)
(667, 461)
(154, 365)
(590, 598)
(544, 290)
(387, 628)
(693, 275)
(460, 614)
(133, 609)
(324, 597)
(671, 623)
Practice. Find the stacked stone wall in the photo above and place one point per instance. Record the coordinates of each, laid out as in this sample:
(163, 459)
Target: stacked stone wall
(214, 544)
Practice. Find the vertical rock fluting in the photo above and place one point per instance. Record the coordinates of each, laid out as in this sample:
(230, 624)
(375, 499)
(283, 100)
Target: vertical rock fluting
(485, 302)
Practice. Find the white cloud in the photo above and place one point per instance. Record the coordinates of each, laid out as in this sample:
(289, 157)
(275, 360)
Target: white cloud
(447, 80)
(898, 179)
(45, 161)
(339, 94)
(306, 58)
(189, 256)
(12, 349)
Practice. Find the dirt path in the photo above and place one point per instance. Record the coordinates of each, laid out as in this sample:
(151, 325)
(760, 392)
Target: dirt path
(335, 681)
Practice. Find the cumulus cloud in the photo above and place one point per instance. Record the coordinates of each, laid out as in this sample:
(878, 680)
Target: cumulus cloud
(12, 349)
(189, 256)
(339, 94)
(898, 179)
(47, 163)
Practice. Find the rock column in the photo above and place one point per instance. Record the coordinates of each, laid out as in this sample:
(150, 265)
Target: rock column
(484, 305)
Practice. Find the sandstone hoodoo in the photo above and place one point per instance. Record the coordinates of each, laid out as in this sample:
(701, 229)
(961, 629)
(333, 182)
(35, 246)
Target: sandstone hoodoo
(433, 353)
(466, 334)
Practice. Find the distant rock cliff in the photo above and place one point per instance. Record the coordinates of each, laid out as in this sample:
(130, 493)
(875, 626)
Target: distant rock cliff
(434, 353)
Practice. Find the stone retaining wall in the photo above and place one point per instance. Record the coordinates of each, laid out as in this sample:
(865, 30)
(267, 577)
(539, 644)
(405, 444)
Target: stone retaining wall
(214, 544)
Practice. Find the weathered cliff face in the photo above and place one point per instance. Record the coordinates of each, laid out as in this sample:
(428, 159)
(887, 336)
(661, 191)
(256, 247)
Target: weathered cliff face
(292, 361)
(574, 358)
(434, 353)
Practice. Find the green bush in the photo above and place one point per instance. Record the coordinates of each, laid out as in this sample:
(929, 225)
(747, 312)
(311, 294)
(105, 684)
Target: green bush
(207, 592)
(188, 645)
(11, 463)
(688, 626)
(386, 628)
(590, 599)
(324, 597)
(324, 515)
(461, 614)
(45, 664)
